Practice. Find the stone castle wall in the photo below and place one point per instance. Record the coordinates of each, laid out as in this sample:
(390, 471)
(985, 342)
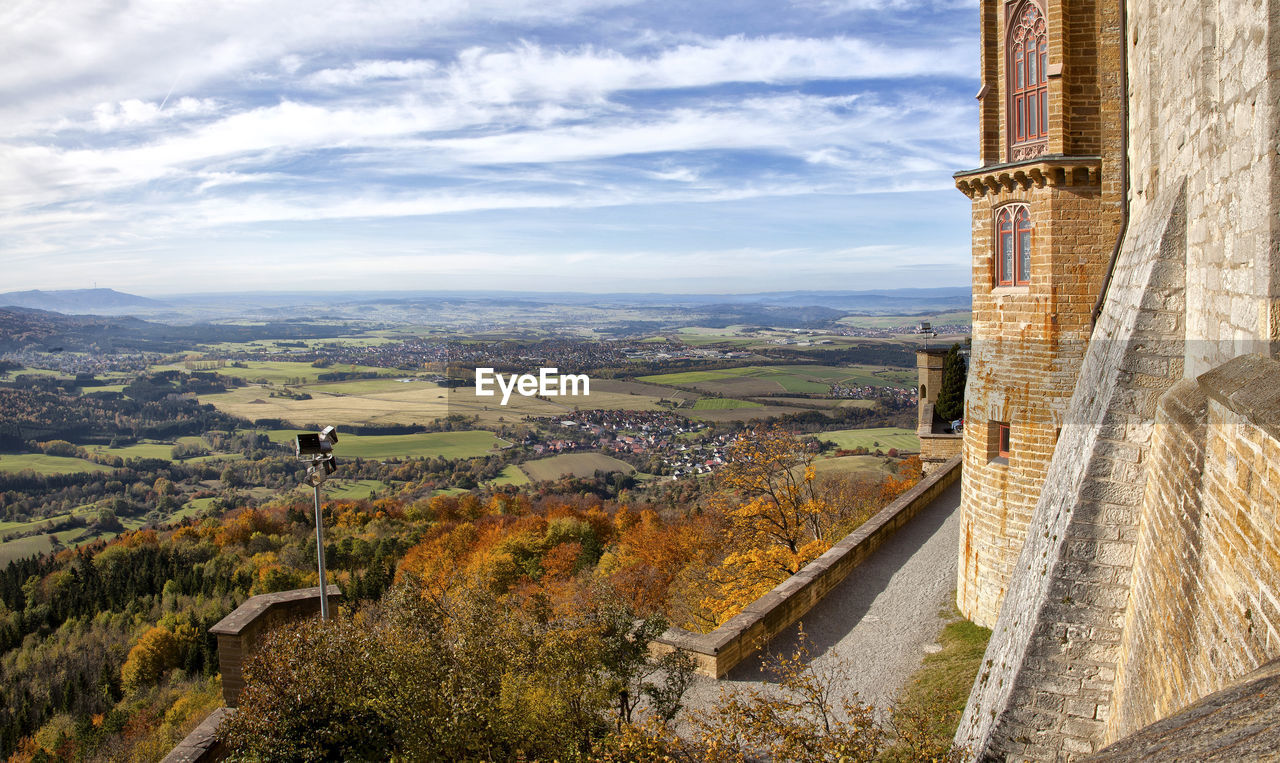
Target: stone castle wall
(1205, 603)
(1203, 107)
(1044, 690)
(1147, 576)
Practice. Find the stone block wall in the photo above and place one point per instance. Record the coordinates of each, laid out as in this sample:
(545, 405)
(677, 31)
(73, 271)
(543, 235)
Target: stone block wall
(1204, 606)
(240, 632)
(1203, 85)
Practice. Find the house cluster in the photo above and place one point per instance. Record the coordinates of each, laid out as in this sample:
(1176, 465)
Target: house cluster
(72, 363)
(658, 436)
(868, 392)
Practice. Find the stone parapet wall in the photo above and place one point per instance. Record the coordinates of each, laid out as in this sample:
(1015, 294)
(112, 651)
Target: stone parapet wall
(1240, 722)
(717, 652)
(1203, 609)
(240, 632)
(1045, 689)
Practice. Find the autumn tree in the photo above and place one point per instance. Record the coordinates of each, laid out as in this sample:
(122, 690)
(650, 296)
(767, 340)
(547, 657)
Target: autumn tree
(777, 522)
(451, 676)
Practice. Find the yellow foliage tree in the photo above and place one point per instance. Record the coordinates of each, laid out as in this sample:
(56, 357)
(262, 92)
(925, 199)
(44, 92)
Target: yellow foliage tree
(777, 521)
(155, 653)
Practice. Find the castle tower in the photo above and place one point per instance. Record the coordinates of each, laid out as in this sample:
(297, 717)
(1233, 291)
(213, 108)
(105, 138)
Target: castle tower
(1047, 206)
(937, 443)
(929, 363)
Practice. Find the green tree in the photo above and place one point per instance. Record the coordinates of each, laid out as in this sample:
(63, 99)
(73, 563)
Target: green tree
(955, 372)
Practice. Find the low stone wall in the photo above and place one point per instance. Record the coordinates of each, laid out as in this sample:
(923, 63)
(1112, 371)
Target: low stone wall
(240, 632)
(1203, 611)
(202, 744)
(717, 652)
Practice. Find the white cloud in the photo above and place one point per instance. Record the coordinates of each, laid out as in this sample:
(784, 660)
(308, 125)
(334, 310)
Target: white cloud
(126, 126)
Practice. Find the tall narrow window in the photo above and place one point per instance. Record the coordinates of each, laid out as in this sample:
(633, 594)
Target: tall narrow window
(1028, 82)
(1013, 245)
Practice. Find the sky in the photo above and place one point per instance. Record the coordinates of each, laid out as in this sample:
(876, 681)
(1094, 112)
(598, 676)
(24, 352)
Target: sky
(169, 147)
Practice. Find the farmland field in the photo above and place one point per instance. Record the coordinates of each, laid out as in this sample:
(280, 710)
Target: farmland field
(764, 380)
(511, 475)
(722, 403)
(20, 548)
(389, 401)
(444, 444)
(868, 466)
(144, 449)
(887, 437)
(42, 464)
(282, 372)
(577, 464)
(352, 490)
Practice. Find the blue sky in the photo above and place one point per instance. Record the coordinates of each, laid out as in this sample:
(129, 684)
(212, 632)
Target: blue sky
(161, 146)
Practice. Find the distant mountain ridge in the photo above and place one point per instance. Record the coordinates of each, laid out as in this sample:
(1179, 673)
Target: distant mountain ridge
(77, 301)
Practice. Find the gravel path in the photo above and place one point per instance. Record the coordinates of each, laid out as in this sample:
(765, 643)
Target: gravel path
(873, 629)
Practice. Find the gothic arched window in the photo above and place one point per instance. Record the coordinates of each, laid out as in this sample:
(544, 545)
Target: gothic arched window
(1028, 81)
(1013, 245)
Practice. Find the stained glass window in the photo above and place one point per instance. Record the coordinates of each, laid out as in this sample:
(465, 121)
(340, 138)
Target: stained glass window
(1028, 60)
(1013, 245)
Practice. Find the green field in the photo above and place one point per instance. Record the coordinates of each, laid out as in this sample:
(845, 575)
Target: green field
(722, 404)
(874, 467)
(577, 464)
(511, 475)
(145, 449)
(370, 386)
(444, 444)
(352, 490)
(886, 437)
(42, 464)
(281, 372)
(20, 548)
(802, 379)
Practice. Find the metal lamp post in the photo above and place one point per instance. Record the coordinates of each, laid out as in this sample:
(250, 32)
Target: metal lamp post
(317, 451)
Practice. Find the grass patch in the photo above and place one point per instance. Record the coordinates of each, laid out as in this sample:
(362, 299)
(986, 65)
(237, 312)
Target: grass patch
(577, 464)
(352, 490)
(511, 475)
(145, 449)
(42, 464)
(930, 706)
(282, 372)
(190, 509)
(803, 379)
(881, 438)
(723, 404)
(872, 467)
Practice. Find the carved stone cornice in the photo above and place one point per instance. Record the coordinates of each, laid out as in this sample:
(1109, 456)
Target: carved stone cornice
(1053, 170)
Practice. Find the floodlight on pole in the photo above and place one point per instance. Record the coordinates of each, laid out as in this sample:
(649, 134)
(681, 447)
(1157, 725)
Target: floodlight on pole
(317, 451)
